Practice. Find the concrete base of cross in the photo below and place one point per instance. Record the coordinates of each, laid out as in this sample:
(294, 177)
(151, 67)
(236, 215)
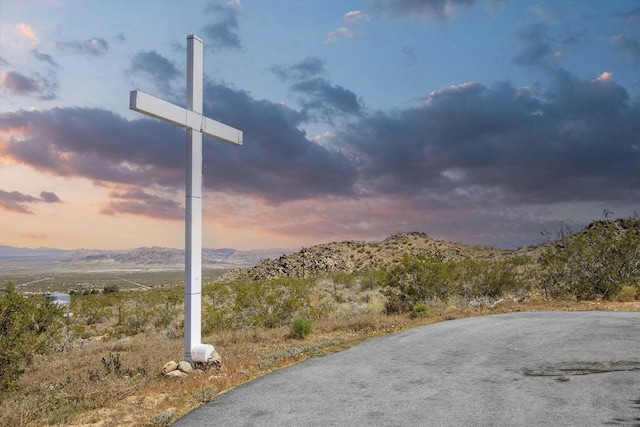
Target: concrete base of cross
(201, 353)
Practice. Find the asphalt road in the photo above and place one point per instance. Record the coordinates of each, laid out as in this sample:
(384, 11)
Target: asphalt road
(519, 369)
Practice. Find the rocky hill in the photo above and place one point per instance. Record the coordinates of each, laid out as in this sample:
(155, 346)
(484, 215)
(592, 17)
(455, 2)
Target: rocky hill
(357, 256)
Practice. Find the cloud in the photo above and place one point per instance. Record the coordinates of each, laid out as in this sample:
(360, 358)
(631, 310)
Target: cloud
(342, 33)
(355, 15)
(160, 71)
(27, 32)
(222, 33)
(305, 69)
(473, 146)
(467, 149)
(537, 49)
(319, 98)
(628, 48)
(15, 83)
(43, 57)
(93, 47)
(141, 203)
(17, 202)
(327, 100)
(49, 197)
(350, 19)
(277, 162)
(439, 9)
(4, 62)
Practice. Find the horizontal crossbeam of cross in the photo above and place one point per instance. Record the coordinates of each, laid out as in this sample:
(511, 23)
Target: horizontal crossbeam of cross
(168, 112)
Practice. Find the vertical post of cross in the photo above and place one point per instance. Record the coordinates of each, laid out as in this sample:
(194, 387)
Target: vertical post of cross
(193, 201)
(196, 124)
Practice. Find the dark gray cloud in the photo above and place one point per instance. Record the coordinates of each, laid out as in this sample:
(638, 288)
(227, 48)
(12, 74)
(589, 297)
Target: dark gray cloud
(628, 48)
(537, 49)
(306, 69)
(319, 98)
(43, 57)
(158, 69)
(472, 145)
(138, 202)
(440, 9)
(465, 147)
(49, 197)
(19, 84)
(326, 100)
(15, 83)
(17, 202)
(95, 46)
(222, 32)
(277, 162)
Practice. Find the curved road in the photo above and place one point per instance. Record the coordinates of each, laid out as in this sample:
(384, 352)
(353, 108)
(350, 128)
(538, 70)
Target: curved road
(519, 369)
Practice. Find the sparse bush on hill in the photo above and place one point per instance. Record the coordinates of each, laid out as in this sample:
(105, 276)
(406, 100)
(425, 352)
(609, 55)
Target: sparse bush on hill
(491, 279)
(597, 262)
(27, 328)
(419, 279)
(265, 303)
(420, 310)
(301, 328)
(111, 288)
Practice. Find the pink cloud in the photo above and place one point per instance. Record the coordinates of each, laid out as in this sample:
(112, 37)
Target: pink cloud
(342, 32)
(27, 32)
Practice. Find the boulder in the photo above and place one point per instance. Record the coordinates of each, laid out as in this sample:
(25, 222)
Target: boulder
(168, 367)
(185, 367)
(175, 374)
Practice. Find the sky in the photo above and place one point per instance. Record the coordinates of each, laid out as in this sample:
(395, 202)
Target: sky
(477, 121)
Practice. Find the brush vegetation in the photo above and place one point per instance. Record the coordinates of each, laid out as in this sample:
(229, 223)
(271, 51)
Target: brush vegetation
(101, 366)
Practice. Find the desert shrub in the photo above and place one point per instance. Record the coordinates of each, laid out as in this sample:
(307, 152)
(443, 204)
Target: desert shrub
(264, 303)
(597, 262)
(629, 293)
(491, 279)
(162, 315)
(343, 278)
(112, 288)
(418, 279)
(420, 310)
(162, 418)
(132, 320)
(372, 279)
(301, 327)
(89, 313)
(27, 328)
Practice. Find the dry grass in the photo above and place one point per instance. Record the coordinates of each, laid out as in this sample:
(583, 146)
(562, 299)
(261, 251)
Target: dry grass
(76, 387)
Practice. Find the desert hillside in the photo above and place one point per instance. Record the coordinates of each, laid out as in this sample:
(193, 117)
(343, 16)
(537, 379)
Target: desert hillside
(358, 256)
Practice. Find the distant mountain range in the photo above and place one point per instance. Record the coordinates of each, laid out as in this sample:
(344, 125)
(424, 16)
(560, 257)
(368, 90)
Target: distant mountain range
(139, 256)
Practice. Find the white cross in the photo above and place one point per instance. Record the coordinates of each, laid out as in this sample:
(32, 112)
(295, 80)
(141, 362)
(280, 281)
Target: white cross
(196, 124)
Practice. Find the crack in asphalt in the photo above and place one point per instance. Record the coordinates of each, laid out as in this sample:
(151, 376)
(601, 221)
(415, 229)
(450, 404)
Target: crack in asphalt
(581, 368)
